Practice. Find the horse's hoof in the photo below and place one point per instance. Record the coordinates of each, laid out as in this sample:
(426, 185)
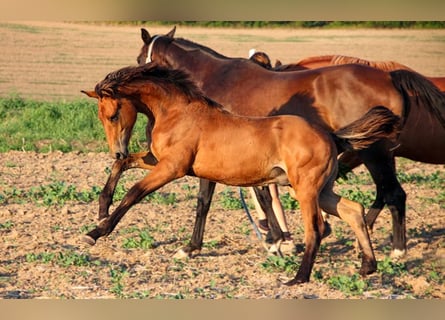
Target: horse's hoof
(275, 250)
(397, 253)
(181, 254)
(327, 230)
(368, 268)
(295, 281)
(88, 239)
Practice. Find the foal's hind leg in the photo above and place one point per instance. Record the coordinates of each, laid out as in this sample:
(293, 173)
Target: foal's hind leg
(352, 213)
(142, 160)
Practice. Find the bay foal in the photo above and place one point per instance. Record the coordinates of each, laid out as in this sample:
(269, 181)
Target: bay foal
(193, 135)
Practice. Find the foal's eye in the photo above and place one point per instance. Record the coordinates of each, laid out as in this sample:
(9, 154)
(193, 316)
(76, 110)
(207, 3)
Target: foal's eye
(115, 117)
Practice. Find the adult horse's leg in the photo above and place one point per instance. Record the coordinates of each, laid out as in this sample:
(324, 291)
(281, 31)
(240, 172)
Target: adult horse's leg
(142, 160)
(265, 200)
(380, 163)
(206, 190)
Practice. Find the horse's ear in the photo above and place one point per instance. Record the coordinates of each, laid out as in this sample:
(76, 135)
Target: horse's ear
(172, 32)
(277, 63)
(145, 35)
(91, 94)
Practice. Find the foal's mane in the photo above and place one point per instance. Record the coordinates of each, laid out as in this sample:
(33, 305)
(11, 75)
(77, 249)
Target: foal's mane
(115, 83)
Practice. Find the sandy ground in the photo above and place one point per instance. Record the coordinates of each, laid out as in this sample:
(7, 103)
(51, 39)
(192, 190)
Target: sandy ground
(51, 60)
(42, 256)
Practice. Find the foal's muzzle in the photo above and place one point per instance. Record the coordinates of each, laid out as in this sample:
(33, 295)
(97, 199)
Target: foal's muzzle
(121, 155)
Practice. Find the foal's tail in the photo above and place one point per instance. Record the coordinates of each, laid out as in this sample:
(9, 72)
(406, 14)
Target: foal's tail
(427, 95)
(377, 124)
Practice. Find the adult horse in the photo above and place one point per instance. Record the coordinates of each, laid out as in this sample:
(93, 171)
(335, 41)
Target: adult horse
(421, 139)
(329, 60)
(193, 135)
(330, 97)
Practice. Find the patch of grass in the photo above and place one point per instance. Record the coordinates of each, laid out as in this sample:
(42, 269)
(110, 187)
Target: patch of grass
(20, 27)
(355, 179)
(62, 258)
(30, 125)
(285, 264)
(350, 285)
(391, 268)
(288, 202)
(117, 275)
(142, 240)
(55, 193)
(163, 198)
(366, 198)
(7, 225)
(229, 201)
(433, 180)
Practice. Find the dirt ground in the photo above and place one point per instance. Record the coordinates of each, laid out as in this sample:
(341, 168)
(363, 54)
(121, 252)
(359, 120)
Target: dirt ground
(41, 252)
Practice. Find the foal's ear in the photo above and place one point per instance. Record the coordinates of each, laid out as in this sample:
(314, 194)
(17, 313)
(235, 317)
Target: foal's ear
(91, 94)
(145, 35)
(172, 32)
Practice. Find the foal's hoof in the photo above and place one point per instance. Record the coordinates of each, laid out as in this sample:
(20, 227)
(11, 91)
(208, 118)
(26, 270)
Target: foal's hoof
(88, 239)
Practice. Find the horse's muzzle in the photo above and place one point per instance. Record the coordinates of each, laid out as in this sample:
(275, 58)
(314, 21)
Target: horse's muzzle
(120, 155)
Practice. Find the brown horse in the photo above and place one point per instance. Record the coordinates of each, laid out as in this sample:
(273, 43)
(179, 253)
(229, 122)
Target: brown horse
(330, 97)
(422, 138)
(330, 60)
(194, 135)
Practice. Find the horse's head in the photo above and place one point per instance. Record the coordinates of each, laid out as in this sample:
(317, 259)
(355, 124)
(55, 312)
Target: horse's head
(118, 116)
(145, 56)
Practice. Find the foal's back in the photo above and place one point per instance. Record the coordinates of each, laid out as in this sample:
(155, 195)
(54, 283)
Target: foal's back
(246, 151)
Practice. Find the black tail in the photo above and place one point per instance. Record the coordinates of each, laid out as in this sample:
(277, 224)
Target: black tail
(377, 124)
(413, 84)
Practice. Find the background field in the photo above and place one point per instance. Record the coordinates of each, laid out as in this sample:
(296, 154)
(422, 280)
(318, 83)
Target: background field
(49, 199)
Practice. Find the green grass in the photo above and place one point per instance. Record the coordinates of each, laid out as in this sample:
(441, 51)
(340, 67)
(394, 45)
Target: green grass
(287, 264)
(349, 285)
(62, 258)
(29, 125)
(139, 239)
(55, 193)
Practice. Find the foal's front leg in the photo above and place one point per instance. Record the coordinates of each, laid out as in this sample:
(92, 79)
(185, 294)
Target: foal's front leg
(160, 175)
(142, 160)
(206, 190)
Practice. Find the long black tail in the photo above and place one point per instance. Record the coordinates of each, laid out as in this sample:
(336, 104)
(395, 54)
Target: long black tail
(427, 95)
(377, 124)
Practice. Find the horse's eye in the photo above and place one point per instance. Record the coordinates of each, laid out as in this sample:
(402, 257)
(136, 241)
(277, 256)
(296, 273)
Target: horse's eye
(115, 117)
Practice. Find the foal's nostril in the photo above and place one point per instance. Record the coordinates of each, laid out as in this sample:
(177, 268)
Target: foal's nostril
(120, 156)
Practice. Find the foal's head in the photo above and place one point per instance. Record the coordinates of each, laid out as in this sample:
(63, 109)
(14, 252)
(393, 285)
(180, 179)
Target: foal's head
(147, 89)
(116, 112)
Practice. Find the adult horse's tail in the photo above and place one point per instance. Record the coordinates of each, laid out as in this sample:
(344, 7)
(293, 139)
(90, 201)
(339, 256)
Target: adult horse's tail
(427, 95)
(377, 124)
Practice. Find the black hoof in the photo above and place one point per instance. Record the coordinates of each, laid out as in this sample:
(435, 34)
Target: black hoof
(295, 281)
